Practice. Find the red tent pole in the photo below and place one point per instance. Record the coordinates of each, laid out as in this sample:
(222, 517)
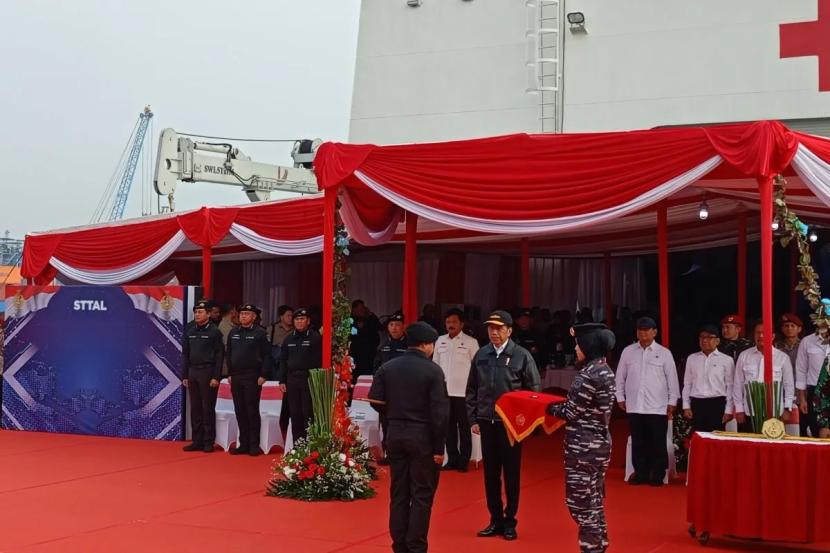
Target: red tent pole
(525, 249)
(742, 266)
(663, 269)
(206, 271)
(606, 288)
(793, 278)
(329, 207)
(765, 190)
(410, 270)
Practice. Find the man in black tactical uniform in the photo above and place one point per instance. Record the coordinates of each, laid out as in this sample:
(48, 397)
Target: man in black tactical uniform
(731, 342)
(391, 346)
(203, 354)
(249, 356)
(412, 391)
(301, 351)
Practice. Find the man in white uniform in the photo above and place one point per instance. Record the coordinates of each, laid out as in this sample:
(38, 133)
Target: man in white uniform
(454, 352)
(707, 384)
(648, 390)
(750, 368)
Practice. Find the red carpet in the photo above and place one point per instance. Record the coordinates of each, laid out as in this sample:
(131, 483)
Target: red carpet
(70, 494)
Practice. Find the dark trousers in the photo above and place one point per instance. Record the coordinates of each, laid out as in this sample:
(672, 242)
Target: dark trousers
(202, 406)
(648, 445)
(459, 438)
(285, 414)
(707, 413)
(501, 460)
(246, 394)
(413, 485)
(809, 421)
(299, 400)
(384, 431)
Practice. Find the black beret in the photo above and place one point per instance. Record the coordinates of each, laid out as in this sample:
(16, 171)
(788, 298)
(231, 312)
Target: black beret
(395, 317)
(499, 318)
(301, 312)
(420, 333)
(250, 307)
(646, 322)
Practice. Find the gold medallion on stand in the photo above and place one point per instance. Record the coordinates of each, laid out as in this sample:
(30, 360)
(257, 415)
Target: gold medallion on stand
(774, 429)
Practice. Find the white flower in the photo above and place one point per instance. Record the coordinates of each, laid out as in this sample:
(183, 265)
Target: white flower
(342, 457)
(293, 451)
(351, 463)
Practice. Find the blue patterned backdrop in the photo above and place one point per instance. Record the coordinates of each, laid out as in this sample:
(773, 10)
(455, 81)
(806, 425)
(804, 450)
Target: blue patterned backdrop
(100, 360)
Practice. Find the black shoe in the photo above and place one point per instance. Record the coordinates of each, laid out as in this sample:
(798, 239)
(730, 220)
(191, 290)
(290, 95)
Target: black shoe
(238, 451)
(635, 480)
(491, 531)
(254, 452)
(208, 448)
(192, 447)
(510, 534)
(656, 482)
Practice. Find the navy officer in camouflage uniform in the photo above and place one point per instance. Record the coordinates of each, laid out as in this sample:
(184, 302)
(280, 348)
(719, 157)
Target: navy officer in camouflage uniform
(587, 440)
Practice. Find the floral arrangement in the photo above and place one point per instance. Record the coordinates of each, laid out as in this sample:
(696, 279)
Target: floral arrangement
(681, 439)
(333, 463)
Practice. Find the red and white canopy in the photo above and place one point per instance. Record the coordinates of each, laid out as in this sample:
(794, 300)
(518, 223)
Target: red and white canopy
(602, 186)
(125, 251)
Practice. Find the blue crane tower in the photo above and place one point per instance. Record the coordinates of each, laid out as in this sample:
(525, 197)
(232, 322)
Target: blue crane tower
(118, 191)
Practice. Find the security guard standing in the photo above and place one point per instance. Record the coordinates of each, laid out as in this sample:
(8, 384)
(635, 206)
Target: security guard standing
(525, 336)
(731, 342)
(412, 391)
(301, 351)
(391, 346)
(499, 367)
(249, 356)
(393, 343)
(202, 368)
(587, 440)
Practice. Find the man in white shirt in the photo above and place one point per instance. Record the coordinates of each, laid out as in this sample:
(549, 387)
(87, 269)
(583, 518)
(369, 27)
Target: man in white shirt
(808, 362)
(454, 353)
(750, 368)
(707, 384)
(648, 390)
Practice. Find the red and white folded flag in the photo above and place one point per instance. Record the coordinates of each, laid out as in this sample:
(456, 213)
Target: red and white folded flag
(523, 411)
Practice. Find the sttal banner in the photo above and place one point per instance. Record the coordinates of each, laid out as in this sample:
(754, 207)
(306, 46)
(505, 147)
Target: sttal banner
(98, 360)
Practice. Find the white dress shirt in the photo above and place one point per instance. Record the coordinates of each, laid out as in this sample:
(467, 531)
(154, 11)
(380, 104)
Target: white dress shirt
(454, 356)
(808, 361)
(708, 376)
(647, 379)
(750, 368)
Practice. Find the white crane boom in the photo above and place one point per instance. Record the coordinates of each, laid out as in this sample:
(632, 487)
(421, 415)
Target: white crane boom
(182, 159)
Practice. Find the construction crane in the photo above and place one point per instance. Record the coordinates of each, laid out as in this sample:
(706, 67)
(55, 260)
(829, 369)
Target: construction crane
(182, 159)
(113, 203)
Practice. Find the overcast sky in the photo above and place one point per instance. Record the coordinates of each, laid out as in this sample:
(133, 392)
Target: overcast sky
(75, 75)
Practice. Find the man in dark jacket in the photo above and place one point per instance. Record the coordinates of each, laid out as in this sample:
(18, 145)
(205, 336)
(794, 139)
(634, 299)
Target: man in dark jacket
(203, 355)
(301, 351)
(249, 356)
(391, 346)
(412, 391)
(499, 367)
(364, 342)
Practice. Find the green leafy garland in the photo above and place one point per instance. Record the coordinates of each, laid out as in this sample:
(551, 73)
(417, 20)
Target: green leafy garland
(794, 229)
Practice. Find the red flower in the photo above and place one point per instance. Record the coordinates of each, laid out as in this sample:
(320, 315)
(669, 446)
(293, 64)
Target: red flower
(358, 468)
(315, 455)
(307, 460)
(321, 471)
(312, 467)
